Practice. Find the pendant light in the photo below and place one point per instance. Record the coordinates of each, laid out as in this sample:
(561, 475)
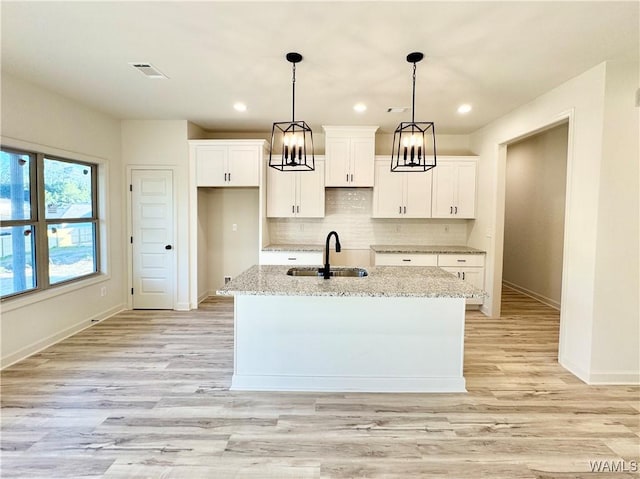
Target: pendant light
(414, 143)
(292, 141)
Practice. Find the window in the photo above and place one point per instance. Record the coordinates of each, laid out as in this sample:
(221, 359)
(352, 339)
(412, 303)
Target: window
(49, 231)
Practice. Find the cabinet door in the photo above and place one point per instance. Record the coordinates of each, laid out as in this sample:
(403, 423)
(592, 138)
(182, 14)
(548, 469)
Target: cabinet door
(444, 186)
(211, 164)
(310, 192)
(337, 152)
(417, 194)
(281, 193)
(388, 198)
(243, 166)
(362, 162)
(465, 204)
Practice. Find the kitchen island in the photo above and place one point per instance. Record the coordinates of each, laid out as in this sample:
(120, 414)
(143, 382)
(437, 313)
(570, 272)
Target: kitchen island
(396, 330)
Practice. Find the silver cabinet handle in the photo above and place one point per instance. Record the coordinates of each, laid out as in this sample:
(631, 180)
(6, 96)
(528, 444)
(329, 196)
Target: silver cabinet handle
(462, 261)
(405, 210)
(456, 210)
(351, 177)
(406, 260)
(292, 259)
(347, 177)
(400, 210)
(298, 209)
(293, 208)
(463, 275)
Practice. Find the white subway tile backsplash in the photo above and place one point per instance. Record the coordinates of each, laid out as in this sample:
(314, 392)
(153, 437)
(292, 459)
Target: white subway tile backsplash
(348, 211)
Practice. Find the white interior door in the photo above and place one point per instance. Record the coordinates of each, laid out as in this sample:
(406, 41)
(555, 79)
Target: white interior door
(152, 239)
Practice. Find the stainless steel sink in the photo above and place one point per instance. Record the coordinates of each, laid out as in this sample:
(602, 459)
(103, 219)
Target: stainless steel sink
(339, 272)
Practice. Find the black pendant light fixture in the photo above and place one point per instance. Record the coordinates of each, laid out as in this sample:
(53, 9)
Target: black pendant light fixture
(292, 141)
(414, 143)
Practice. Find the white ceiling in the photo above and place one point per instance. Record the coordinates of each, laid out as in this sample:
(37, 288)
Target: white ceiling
(494, 55)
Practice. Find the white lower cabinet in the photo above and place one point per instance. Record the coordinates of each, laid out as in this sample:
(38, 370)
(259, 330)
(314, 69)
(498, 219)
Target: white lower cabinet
(292, 257)
(405, 259)
(468, 267)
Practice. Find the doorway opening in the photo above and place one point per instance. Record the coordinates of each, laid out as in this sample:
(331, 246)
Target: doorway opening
(534, 214)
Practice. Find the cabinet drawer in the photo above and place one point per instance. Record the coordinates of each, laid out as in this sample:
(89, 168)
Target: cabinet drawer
(460, 260)
(400, 259)
(291, 257)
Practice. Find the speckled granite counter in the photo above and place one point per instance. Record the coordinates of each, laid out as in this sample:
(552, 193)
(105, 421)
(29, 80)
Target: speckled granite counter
(382, 281)
(293, 247)
(430, 249)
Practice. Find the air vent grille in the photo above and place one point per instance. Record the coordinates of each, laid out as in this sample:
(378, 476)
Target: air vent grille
(148, 70)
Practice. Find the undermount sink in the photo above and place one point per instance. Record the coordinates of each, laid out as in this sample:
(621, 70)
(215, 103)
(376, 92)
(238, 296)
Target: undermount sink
(317, 272)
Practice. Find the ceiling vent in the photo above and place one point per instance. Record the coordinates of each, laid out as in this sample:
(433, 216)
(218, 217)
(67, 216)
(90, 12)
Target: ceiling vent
(397, 109)
(148, 70)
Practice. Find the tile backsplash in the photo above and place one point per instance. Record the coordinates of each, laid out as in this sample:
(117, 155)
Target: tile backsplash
(348, 211)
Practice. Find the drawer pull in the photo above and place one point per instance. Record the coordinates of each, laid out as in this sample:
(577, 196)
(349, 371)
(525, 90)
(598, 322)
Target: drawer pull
(292, 259)
(462, 261)
(406, 260)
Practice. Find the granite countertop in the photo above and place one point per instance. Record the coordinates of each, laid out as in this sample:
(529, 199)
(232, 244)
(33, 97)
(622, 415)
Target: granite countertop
(382, 281)
(293, 247)
(432, 249)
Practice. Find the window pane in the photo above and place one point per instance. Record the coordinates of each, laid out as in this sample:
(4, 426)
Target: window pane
(72, 251)
(67, 189)
(16, 259)
(15, 191)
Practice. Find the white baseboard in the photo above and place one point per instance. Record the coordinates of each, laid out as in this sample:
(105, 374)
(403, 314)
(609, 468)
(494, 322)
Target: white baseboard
(38, 346)
(580, 373)
(615, 378)
(532, 294)
(244, 382)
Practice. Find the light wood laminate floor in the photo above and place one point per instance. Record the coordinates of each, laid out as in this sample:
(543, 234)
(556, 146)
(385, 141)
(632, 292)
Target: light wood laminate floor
(145, 394)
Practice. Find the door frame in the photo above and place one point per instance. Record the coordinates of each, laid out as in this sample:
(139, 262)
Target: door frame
(499, 218)
(129, 229)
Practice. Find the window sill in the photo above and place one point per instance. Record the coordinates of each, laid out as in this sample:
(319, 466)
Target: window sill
(11, 304)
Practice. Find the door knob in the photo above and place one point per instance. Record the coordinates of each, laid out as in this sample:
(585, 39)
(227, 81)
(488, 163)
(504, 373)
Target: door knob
(168, 247)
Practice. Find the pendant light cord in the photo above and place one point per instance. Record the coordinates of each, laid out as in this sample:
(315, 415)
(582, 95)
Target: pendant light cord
(413, 99)
(293, 87)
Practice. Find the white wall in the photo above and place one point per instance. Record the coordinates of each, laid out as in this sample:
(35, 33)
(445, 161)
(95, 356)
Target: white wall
(163, 144)
(536, 175)
(616, 326)
(583, 101)
(229, 252)
(36, 118)
(446, 144)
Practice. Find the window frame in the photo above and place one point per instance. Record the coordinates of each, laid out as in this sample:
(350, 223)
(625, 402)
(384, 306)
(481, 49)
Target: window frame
(40, 223)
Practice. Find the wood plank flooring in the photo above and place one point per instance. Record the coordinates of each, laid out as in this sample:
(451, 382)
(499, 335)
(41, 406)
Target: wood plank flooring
(145, 394)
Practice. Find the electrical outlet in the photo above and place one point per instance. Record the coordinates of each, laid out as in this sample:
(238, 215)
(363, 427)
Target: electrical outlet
(234, 227)
(227, 279)
(103, 291)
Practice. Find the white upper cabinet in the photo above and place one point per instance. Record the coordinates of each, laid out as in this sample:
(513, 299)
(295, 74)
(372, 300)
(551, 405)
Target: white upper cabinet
(228, 162)
(400, 194)
(349, 155)
(296, 194)
(454, 188)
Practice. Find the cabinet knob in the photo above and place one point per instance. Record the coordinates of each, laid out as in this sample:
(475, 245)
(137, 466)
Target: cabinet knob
(167, 247)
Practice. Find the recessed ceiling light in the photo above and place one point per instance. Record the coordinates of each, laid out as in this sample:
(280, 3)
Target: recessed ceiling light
(464, 108)
(360, 107)
(239, 106)
(397, 109)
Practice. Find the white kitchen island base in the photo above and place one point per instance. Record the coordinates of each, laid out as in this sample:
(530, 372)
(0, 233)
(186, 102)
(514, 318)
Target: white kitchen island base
(348, 343)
